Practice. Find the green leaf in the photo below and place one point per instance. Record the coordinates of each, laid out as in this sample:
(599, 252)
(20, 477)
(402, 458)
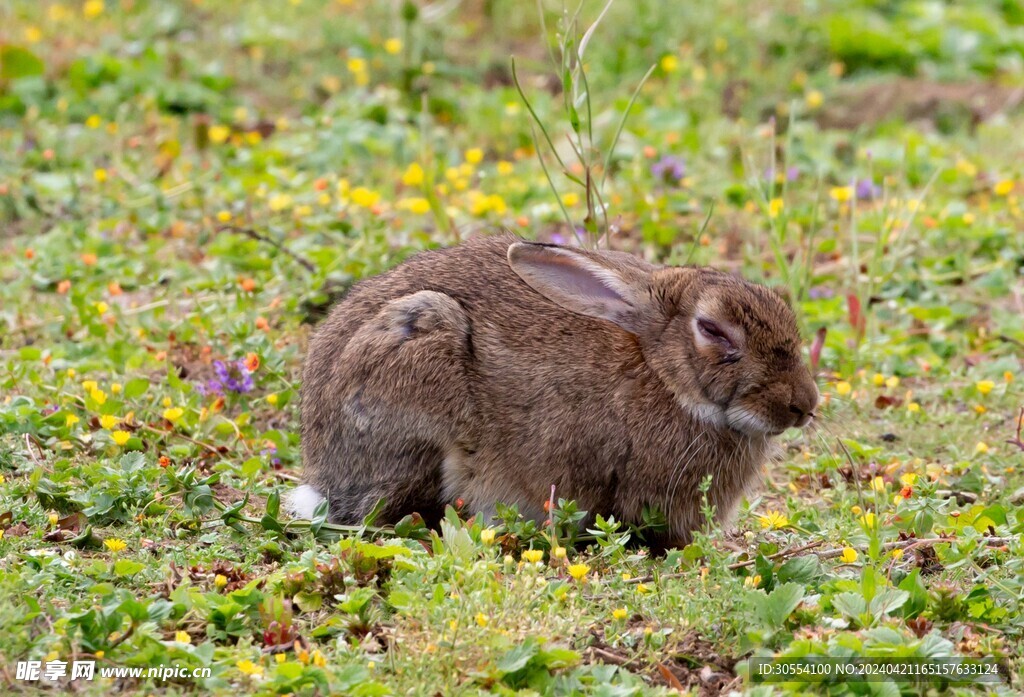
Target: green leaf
(887, 601)
(850, 604)
(136, 388)
(17, 62)
(127, 567)
(518, 657)
(774, 608)
(309, 602)
(799, 569)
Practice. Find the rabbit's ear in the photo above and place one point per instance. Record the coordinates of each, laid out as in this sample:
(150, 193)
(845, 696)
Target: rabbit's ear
(581, 284)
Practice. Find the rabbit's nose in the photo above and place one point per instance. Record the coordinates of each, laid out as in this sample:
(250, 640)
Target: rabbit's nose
(800, 416)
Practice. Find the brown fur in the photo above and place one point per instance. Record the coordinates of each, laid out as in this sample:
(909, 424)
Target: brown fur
(462, 374)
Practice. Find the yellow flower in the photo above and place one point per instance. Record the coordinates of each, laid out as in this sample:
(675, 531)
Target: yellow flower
(115, 545)
(878, 484)
(913, 407)
(878, 380)
(814, 99)
(182, 637)
(897, 553)
(642, 589)
(892, 382)
(416, 204)
(100, 175)
(571, 199)
(908, 479)
(578, 571)
(980, 409)
(98, 396)
(1008, 376)
(868, 520)
(474, 156)
(968, 218)
(115, 387)
(53, 518)
(620, 613)
(247, 667)
(93, 121)
(842, 194)
(775, 207)
(318, 659)
(166, 401)
(108, 421)
(356, 65)
(843, 388)
(1004, 187)
(92, 8)
(752, 581)
(966, 167)
(482, 619)
(773, 520)
(224, 216)
(849, 555)
(218, 133)
(558, 553)
(89, 385)
(981, 448)
(393, 46)
(173, 414)
(220, 580)
(533, 555)
(70, 420)
(361, 196)
(120, 437)
(33, 34)
(272, 399)
(984, 386)
(487, 536)
(278, 202)
(669, 63)
(505, 167)
(413, 175)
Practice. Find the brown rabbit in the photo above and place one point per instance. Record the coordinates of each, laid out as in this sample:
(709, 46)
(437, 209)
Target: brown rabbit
(489, 371)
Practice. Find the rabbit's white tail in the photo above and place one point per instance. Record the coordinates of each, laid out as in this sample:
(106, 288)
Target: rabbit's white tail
(302, 501)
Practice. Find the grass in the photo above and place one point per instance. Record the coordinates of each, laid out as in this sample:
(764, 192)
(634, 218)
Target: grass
(185, 186)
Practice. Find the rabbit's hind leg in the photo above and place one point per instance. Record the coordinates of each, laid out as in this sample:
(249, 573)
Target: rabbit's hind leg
(405, 403)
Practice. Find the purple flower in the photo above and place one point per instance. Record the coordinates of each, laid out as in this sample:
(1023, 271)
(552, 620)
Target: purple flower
(792, 173)
(866, 190)
(233, 377)
(669, 169)
(270, 452)
(228, 377)
(820, 293)
(557, 238)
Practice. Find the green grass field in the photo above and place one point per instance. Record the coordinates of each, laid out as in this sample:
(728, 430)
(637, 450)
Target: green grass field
(185, 187)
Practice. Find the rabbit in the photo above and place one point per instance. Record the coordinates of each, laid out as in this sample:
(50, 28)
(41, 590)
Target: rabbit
(490, 371)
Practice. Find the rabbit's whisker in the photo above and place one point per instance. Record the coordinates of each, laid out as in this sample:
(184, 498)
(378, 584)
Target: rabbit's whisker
(680, 468)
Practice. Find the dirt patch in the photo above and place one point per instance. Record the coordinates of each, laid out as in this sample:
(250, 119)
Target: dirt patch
(692, 663)
(917, 100)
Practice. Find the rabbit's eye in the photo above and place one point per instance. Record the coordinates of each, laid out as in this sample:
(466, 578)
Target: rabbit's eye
(716, 334)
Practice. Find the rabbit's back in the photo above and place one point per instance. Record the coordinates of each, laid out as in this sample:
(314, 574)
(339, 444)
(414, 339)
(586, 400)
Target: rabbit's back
(540, 386)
